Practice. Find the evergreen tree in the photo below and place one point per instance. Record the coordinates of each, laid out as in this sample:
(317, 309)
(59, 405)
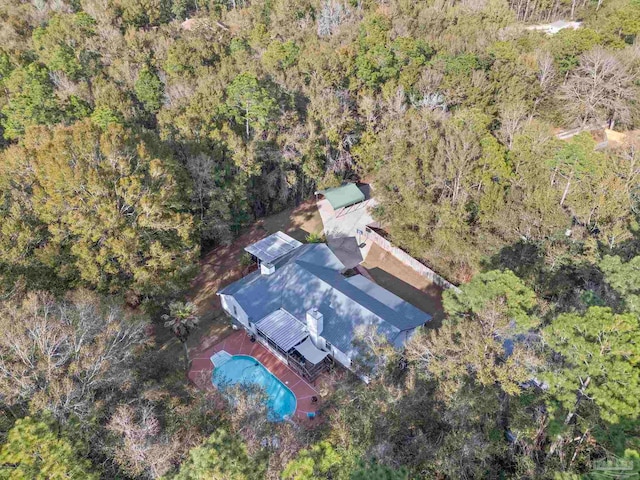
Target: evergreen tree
(149, 89)
(102, 209)
(250, 103)
(600, 355)
(222, 457)
(37, 450)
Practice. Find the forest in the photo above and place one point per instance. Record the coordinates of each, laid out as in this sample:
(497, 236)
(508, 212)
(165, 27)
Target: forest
(137, 135)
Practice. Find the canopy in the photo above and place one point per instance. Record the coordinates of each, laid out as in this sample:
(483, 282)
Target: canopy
(283, 329)
(309, 351)
(344, 196)
(273, 247)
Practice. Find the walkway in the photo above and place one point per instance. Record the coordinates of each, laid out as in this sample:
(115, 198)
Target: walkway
(238, 343)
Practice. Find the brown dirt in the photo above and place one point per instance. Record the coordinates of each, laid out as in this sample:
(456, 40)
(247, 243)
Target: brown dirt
(390, 273)
(297, 222)
(221, 266)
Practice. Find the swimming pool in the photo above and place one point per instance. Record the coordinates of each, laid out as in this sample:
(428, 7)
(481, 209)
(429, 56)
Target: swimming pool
(246, 370)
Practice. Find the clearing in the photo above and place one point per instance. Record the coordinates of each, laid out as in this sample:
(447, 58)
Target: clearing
(390, 273)
(221, 266)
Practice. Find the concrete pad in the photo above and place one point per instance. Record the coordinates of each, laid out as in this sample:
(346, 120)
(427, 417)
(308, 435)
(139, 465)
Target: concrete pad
(341, 229)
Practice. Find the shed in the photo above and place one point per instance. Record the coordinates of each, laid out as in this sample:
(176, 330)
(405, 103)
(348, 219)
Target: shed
(344, 196)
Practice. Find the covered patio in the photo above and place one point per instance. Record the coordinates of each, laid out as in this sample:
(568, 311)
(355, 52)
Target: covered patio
(288, 337)
(271, 248)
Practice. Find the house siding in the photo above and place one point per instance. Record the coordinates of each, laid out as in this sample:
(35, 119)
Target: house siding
(231, 306)
(340, 357)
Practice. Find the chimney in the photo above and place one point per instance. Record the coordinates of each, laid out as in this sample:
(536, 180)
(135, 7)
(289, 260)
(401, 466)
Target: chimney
(315, 324)
(267, 268)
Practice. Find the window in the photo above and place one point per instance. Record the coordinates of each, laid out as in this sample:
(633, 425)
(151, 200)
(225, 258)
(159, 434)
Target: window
(235, 311)
(327, 345)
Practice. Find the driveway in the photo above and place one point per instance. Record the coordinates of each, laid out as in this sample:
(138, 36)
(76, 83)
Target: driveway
(341, 228)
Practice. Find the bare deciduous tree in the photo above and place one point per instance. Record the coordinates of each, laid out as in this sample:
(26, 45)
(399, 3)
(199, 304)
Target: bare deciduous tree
(332, 15)
(546, 74)
(144, 450)
(512, 117)
(601, 89)
(57, 354)
(458, 150)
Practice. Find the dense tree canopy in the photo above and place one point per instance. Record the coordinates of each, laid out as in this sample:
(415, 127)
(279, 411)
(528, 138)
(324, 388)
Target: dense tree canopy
(97, 208)
(57, 355)
(138, 133)
(601, 352)
(35, 450)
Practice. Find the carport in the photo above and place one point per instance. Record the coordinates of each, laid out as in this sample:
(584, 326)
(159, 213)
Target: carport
(341, 198)
(345, 213)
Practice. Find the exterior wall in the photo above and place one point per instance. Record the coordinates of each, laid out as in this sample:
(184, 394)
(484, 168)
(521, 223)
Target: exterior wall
(408, 260)
(319, 342)
(340, 357)
(232, 307)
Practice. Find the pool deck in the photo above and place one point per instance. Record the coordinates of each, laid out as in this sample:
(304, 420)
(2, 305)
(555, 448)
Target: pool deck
(238, 343)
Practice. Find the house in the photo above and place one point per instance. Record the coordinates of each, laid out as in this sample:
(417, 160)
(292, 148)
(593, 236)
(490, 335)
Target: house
(305, 310)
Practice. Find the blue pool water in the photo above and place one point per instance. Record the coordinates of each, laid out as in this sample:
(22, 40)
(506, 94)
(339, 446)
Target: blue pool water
(246, 370)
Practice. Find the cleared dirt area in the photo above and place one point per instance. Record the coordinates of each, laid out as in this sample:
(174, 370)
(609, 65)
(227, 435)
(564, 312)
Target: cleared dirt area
(390, 273)
(221, 266)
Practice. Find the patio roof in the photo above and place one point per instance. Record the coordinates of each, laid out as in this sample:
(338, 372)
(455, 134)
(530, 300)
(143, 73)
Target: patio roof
(310, 352)
(343, 196)
(273, 247)
(283, 329)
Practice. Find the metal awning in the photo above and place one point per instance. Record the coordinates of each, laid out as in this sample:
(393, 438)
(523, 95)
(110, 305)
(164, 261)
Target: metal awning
(273, 247)
(343, 196)
(283, 329)
(310, 352)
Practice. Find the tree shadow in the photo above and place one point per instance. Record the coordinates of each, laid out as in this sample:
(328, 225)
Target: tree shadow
(525, 259)
(429, 299)
(570, 285)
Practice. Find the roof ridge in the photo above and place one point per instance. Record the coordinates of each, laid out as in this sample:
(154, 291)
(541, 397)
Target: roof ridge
(354, 289)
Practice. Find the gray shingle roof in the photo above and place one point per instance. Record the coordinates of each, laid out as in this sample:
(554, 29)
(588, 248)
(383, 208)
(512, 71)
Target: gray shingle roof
(310, 278)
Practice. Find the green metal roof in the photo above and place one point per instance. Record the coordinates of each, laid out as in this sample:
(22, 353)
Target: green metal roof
(343, 196)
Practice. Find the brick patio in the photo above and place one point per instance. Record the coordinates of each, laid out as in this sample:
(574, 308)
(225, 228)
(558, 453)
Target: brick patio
(238, 343)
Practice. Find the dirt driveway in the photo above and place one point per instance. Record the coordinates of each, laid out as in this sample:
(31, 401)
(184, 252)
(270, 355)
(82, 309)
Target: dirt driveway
(221, 266)
(390, 273)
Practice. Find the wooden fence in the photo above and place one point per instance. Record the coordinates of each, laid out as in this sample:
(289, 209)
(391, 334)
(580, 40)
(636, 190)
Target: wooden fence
(408, 260)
